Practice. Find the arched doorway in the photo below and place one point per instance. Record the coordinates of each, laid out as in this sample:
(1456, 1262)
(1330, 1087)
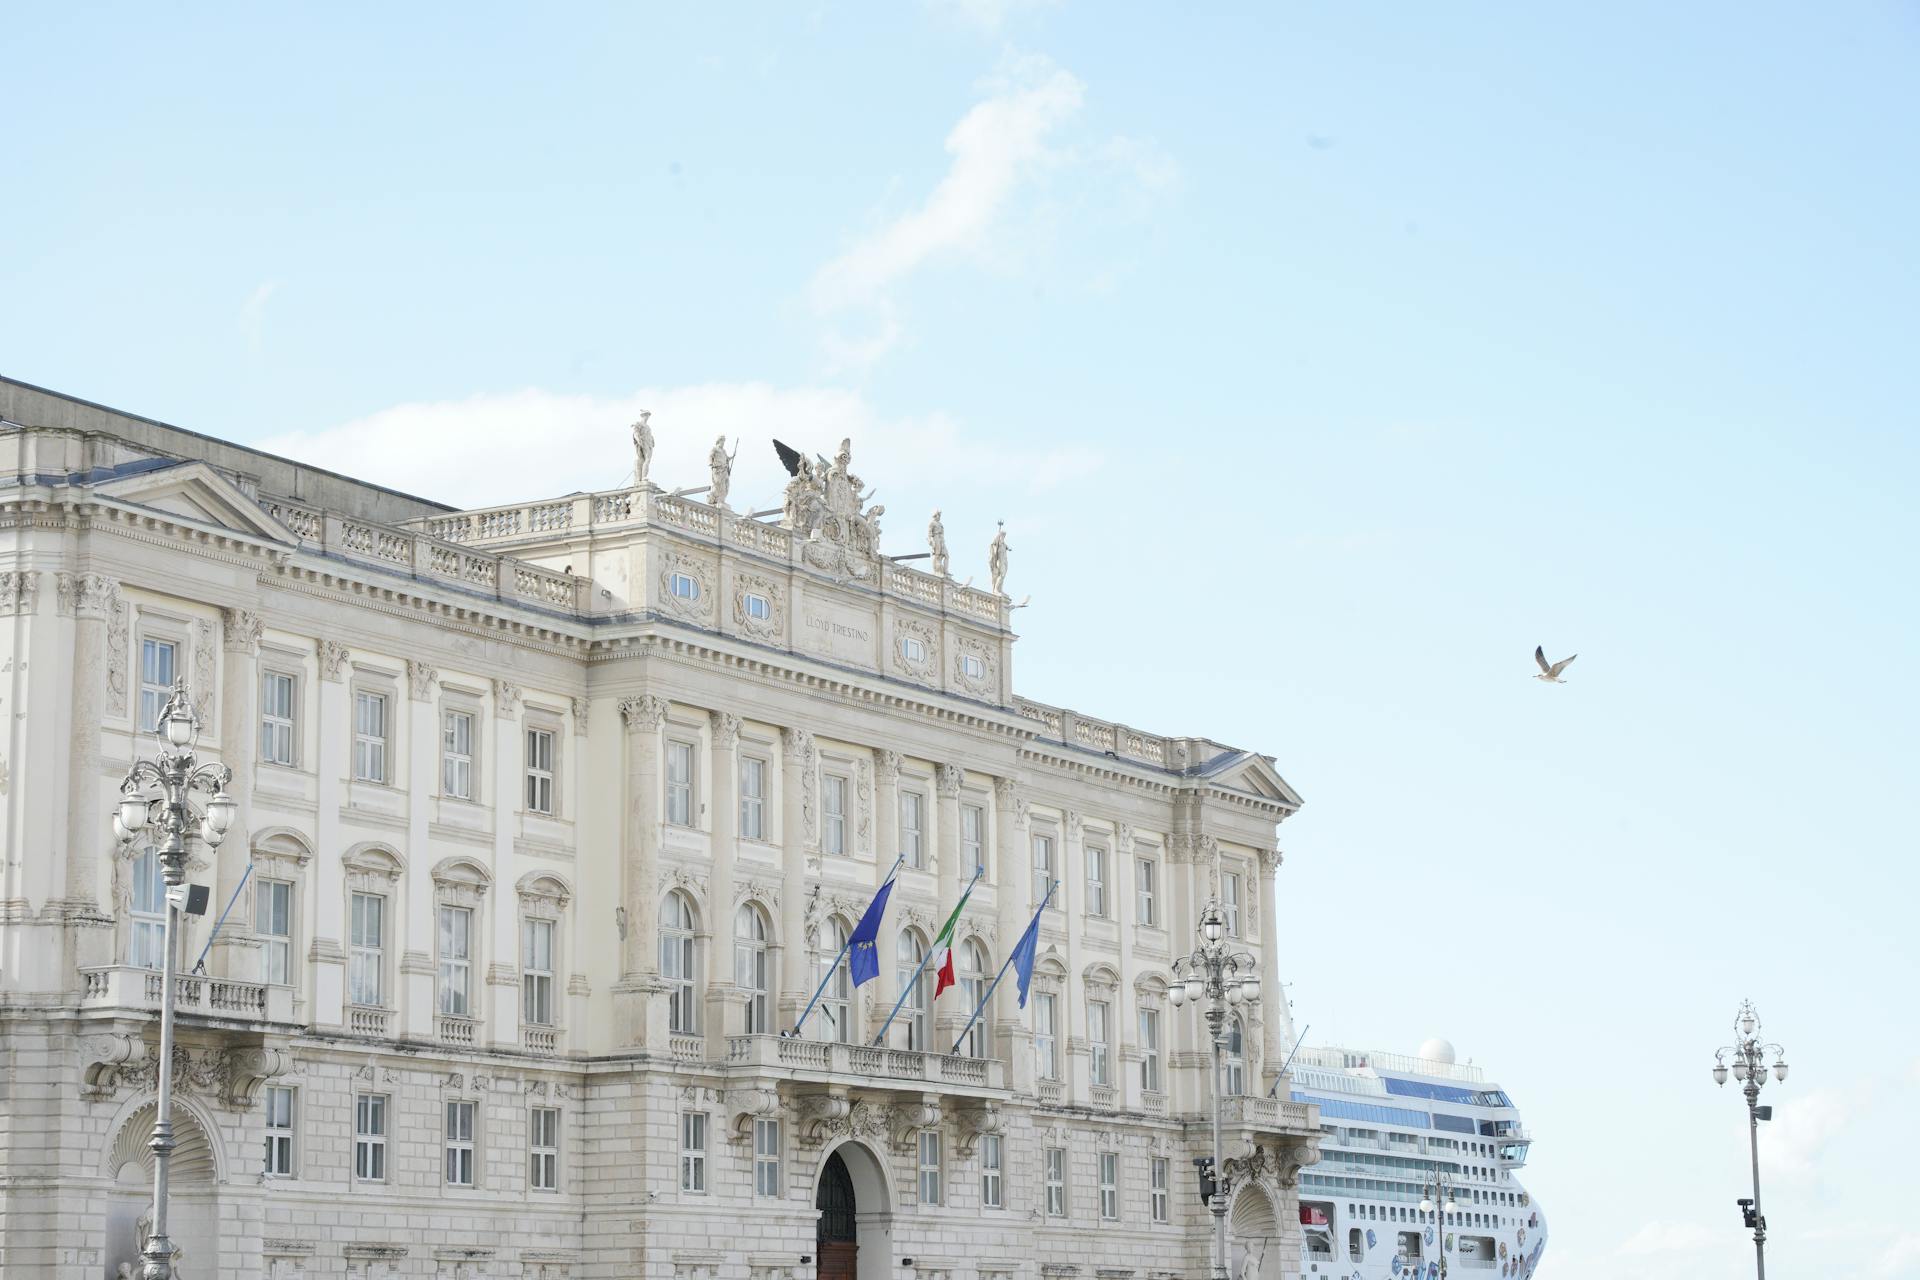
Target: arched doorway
(1253, 1238)
(854, 1233)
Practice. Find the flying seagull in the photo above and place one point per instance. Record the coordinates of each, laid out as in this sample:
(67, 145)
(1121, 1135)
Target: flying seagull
(1550, 672)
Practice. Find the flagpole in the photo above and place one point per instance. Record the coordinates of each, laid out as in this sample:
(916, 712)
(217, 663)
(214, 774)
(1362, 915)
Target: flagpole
(977, 873)
(996, 978)
(1281, 1074)
(835, 966)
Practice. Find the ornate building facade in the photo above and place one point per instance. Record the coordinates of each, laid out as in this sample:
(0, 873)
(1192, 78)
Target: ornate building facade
(552, 816)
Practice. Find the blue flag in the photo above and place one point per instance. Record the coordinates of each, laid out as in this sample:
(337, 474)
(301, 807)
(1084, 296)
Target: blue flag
(1023, 955)
(863, 958)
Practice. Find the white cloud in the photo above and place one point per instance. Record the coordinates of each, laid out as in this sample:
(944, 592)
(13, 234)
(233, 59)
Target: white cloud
(983, 15)
(1659, 1238)
(1792, 1142)
(1899, 1258)
(522, 445)
(1001, 142)
(253, 313)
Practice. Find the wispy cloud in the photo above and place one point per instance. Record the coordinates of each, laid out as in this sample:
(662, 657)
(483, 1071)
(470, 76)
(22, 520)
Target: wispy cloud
(515, 446)
(253, 313)
(1900, 1257)
(987, 16)
(1002, 141)
(1802, 1128)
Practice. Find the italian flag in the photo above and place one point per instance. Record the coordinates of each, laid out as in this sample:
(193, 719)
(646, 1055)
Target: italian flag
(943, 945)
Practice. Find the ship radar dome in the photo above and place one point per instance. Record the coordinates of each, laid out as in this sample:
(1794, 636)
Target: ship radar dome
(1437, 1050)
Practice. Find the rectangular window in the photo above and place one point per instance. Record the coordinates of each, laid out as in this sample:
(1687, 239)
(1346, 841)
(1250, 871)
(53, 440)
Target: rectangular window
(1161, 1170)
(157, 667)
(1096, 880)
(990, 1171)
(973, 838)
(370, 1137)
(1046, 1044)
(913, 807)
(833, 808)
(1150, 1050)
(276, 718)
(1042, 866)
(460, 1144)
(366, 965)
(693, 1152)
(543, 1149)
(370, 737)
(929, 1166)
(540, 771)
(1230, 902)
(766, 1158)
(1100, 1042)
(273, 923)
(1146, 907)
(456, 755)
(147, 942)
(456, 960)
(1110, 1186)
(536, 972)
(753, 798)
(1056, 1182)
(680, 783)
(279, 1116)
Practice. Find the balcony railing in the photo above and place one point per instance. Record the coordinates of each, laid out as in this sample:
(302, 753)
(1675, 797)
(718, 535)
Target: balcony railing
(453, 1030)
(828, 1058)
(540, 1039)
(1264, 1113)
(131, 987)
(366, 1020)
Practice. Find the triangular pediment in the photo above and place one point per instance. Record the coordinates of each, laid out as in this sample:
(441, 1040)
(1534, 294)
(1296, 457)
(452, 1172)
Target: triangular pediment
(196, 492)
(1253, 774)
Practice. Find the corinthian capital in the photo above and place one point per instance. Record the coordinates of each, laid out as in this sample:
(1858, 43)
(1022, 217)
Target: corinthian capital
(87, 595)
(726, 729)
(645, 712)
(947, 779)
(240, 630)
(798, 744)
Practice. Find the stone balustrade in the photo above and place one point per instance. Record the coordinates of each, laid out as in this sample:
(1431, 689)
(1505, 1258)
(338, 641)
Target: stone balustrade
(223, 999)
(1106, 737)
(827, 1062)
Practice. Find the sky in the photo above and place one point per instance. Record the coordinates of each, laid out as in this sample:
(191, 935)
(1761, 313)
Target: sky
(1321, 361)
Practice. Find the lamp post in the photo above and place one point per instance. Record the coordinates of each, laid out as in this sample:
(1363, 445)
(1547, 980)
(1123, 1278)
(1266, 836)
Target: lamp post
(1437, 1198)
(158, 793)
(1745, 1060)
(1221, 977)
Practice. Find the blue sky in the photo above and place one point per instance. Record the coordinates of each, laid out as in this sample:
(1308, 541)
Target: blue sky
(1322, 361)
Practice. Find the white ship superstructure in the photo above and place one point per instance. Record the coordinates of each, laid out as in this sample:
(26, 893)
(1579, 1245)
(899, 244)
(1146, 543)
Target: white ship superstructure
(1391, 1123)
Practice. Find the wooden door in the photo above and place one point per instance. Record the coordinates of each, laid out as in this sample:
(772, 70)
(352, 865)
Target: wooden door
(838, 1260)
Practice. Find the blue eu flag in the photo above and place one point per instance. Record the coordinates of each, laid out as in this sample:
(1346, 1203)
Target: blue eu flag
(863, 960)
(1023, 955)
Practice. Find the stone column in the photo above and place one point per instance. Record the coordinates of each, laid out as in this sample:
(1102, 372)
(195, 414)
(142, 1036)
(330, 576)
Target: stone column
(498, 1000)
(1276, 1021)
(722, 1017)
(1013, 870)
(235, 949)
(1072, 1031)
(636, 1013)
(799, 841)
(90, 598)
(954, 875)
(885, 989)
(327, 922)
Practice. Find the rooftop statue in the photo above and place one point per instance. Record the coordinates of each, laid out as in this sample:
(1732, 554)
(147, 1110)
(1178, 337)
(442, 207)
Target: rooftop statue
(997, 559)
(825, 506)
(720, 466)
(937, 543)
(642, 449)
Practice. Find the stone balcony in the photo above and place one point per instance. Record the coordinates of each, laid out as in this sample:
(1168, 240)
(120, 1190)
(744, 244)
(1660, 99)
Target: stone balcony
(127, 987)
(825, 1062)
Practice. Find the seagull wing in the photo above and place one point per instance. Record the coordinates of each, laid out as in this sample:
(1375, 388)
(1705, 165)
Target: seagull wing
(1540, 656)
(1561, 665)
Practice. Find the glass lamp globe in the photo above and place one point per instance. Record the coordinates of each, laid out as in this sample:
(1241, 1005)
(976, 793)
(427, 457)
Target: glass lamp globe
(1780, 1070)
(1177, 993)
(1452, 1207)
(1196, 987)
(1747, 1023)
(1739, 1068)
(1233, 993)
(1211, 927)
(133, 812)
(1719, 1073)
(220, 813)
(178, 725)
(1426, 1205)
(1250, 987)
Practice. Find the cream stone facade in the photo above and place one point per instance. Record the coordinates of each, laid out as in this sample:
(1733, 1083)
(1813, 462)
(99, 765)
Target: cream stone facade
(556, 814)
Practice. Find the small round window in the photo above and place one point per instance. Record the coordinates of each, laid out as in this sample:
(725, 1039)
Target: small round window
(757, 607)
(912, 650)
(971, 667)
(684, 586)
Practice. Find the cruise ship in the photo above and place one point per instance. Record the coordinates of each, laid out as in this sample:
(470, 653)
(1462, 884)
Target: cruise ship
(1391, 1122)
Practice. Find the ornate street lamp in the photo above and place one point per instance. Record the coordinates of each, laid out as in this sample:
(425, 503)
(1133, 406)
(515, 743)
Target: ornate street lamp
(1745, 1059)
(1437, 1199)
(158, 794)
(1221, 977)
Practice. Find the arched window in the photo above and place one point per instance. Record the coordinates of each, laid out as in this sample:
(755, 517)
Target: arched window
(147, 945)
(913, 1014)
(970, 970)
(750, 966)
(835, 1014)
(1236, 1056)
(676, 962)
